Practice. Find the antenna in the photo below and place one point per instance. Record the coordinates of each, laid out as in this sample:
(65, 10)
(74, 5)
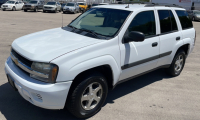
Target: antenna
(62, 19)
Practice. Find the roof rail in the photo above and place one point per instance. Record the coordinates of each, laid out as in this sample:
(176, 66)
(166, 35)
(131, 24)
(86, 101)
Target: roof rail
(162, 4)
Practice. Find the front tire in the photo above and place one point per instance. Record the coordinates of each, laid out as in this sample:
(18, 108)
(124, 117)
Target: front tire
(55, 11)
(36, 9)
(193, 19)
(87, 97)
(13, 9)
(177, 65)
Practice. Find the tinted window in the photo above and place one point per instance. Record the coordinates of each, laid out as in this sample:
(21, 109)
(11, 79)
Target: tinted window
(173, 21)
(184, 19)
(144, 22)
(165, 22)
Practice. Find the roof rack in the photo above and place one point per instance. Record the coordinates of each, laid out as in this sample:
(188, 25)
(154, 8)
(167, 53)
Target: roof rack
(162, 4)
(150, 4)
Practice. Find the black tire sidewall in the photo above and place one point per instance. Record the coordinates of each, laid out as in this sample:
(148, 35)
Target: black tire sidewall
(79, 111)
(172, 67)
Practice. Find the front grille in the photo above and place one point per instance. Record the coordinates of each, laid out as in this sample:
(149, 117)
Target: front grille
(48, 7)
(22, 59)
(27, 5)
(5, 6)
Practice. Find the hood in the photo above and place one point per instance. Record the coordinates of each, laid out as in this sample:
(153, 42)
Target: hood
(47, 45)
(49, 5)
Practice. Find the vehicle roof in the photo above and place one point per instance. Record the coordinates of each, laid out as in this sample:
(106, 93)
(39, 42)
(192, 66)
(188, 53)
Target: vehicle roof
(131, 7)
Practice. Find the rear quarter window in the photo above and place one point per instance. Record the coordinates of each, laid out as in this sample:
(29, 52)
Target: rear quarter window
(186, 23)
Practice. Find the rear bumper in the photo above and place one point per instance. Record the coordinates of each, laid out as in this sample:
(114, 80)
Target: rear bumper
(45, 95)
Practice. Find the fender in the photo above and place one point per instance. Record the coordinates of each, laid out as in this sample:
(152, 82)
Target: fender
(95, 62)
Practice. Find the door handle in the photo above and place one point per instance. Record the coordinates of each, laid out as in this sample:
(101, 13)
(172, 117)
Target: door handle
(154, 44)
(178, 38)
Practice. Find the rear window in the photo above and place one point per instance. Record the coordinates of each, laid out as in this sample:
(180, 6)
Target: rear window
(186, 23)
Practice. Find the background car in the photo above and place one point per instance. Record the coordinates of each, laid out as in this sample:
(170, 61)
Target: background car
(194, 15)
(12, 5)
(83, 6)
(62, 6)
(71, 7)
(2, 2)
(52, 6)
(34, 5)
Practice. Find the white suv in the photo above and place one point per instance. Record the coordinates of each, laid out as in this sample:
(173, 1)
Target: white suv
(74, 66)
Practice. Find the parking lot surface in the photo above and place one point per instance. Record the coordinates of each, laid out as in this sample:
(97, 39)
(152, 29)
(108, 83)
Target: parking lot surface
(154, 96)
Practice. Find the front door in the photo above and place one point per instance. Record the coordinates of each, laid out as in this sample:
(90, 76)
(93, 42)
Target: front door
(139, 57)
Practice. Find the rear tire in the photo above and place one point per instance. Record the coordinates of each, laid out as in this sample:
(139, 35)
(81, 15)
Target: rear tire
(87, 98)
(177, 65)
(25, 10)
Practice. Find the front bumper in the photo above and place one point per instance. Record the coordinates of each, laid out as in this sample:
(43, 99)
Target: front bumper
(7, 8)
(49, 9)
(29, 8)
(45, 95)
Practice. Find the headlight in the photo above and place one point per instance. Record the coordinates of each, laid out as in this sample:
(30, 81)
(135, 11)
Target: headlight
(44, 71)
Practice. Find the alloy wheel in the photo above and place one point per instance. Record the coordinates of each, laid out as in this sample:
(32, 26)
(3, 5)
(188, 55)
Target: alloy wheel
(91, 96)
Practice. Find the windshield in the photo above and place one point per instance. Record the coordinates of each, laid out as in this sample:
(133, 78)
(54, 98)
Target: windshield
(70, 4)
(51, 3)
(11, 2)
(33, 2)
(197, 12)
(103, 21)
(81, 3)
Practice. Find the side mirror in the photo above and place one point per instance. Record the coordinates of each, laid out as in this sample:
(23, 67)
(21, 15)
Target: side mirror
(133, 36)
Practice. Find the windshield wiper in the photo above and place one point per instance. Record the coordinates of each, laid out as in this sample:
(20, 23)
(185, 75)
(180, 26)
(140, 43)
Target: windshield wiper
(72, 27)
(90, 31)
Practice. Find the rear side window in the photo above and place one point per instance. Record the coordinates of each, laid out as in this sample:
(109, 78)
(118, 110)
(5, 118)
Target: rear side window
(186, 23)
(167, 21)
(144, 22)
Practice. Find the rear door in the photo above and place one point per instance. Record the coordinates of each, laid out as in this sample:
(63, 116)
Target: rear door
(139, 57)
(170, 35)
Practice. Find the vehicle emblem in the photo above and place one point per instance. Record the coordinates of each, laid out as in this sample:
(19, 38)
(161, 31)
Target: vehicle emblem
(16, 61)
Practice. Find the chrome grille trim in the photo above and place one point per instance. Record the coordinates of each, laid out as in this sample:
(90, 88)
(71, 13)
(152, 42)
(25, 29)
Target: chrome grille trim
(26, 68)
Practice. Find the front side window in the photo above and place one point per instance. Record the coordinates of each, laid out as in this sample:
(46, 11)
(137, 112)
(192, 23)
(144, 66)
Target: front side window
(186, 23)
(144, 22)
(102, 21)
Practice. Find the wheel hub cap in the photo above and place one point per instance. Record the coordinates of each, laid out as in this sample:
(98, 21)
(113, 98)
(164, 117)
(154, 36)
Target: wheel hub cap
(179, 63)
(91, 96)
